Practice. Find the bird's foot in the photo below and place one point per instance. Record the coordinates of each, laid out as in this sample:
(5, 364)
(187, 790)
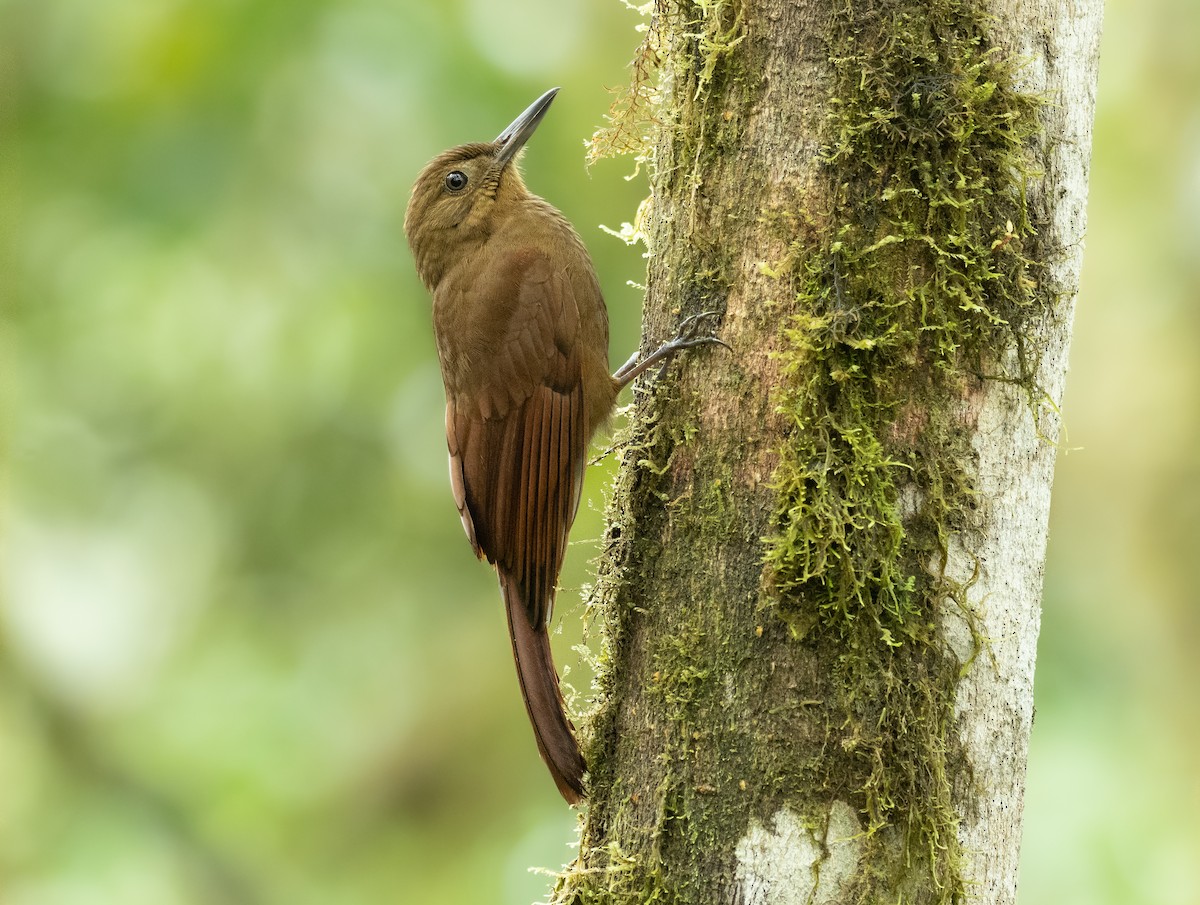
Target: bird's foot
(686, 337)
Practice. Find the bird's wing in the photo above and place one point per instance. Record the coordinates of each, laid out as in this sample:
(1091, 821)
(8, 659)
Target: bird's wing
(515, 426)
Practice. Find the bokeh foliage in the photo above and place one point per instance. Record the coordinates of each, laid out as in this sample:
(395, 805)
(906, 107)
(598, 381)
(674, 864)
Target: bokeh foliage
(245, 653)
(248, 656)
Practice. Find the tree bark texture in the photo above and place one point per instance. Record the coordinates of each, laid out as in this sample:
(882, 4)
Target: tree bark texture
(822, 572)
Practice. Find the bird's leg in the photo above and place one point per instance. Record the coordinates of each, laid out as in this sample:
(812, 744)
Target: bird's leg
(685, 338)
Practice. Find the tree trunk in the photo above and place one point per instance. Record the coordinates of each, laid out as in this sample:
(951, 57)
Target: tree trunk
(823, 564)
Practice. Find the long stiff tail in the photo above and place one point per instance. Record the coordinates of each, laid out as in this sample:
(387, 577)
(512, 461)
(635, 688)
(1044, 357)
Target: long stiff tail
(543, 700)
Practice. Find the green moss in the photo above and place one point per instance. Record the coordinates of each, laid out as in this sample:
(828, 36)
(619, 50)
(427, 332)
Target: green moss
(917, 270)
(678, 819)
(698, 38)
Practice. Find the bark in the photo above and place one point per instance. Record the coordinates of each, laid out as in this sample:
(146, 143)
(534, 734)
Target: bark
(823, 565)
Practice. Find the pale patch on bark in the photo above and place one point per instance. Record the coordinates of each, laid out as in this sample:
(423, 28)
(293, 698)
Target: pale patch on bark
(794, 865)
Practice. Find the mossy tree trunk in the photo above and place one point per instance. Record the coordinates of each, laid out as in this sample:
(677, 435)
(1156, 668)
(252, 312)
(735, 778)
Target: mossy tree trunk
(821, 580)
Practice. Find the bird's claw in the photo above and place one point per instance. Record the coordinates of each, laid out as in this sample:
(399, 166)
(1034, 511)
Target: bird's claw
(689, 328)
(686, 337)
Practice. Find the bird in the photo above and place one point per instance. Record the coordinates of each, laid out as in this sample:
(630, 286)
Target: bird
(521, 330)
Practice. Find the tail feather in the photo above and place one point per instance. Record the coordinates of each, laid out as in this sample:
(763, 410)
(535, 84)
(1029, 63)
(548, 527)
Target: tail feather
(543, 700)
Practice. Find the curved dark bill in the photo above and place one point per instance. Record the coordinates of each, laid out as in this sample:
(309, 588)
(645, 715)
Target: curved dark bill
(514, 137)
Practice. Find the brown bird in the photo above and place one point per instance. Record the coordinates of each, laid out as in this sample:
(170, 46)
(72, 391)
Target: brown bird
(522, 336)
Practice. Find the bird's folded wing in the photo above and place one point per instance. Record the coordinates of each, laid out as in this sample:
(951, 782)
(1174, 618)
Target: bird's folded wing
(516, 431)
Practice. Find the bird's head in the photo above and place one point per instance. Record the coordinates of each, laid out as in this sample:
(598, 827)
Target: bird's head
(455, 198)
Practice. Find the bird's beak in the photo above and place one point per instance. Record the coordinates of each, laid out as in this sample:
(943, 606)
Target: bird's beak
(512, 139)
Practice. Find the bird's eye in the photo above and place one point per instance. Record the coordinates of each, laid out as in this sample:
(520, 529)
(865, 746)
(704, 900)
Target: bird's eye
(456, 181)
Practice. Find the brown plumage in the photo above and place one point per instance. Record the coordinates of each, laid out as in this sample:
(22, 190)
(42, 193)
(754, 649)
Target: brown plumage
(522, 337)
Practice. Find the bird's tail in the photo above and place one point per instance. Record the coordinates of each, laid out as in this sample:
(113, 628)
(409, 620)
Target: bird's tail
(543, 700)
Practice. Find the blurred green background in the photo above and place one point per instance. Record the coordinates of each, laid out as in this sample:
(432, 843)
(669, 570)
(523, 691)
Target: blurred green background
(246, 655)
